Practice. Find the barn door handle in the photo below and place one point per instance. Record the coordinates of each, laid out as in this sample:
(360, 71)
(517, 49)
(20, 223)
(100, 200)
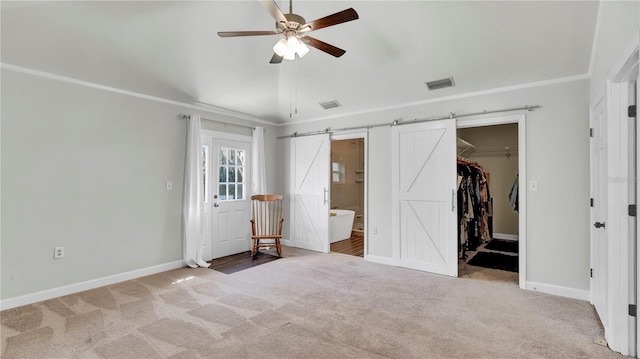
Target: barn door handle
(453, 200)
(326, 192)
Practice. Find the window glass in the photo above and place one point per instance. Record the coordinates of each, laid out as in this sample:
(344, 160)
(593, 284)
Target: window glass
(231, 170)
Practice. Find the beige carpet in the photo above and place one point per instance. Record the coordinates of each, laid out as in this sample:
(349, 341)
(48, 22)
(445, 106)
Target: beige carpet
(306, 305)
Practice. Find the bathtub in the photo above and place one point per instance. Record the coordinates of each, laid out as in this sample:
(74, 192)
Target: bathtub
(340, 224)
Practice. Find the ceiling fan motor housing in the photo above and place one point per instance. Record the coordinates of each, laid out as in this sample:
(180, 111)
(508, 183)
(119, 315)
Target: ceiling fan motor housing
(295, 21)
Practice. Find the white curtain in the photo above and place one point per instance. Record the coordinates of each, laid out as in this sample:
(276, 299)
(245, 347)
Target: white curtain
(193, 205)
(258, 176)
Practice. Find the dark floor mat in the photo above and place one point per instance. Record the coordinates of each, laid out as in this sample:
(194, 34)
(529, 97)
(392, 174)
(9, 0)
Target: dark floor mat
(502, 245)
(237, 262)
(495, 261)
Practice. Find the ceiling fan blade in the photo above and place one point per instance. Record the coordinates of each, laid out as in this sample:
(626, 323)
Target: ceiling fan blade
(275, 59)
(274, 11)
(337, 18)
(245, 33)
(323, 46)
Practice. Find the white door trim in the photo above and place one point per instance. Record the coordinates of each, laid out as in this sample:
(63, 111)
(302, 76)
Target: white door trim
(522, 189)
(623, 273)
(365, 135)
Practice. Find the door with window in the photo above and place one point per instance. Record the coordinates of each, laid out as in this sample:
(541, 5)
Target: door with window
(227, 194)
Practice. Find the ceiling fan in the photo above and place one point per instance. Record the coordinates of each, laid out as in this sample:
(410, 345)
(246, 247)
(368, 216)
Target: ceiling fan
(295, 28)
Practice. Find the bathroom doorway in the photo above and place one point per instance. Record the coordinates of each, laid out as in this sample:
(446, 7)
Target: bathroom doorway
(347, 220)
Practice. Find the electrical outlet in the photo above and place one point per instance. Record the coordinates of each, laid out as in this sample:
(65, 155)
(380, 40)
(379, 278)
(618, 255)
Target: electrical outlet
(58, 252)
(375, 230)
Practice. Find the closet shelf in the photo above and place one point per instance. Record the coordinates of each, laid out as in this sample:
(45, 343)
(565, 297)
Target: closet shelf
(359, 171)
(359, 180)
(463, 146)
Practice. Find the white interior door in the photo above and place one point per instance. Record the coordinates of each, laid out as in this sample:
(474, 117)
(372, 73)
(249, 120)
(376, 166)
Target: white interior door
(599, 266)
(424, 196)
(309, 193)
(230, 196)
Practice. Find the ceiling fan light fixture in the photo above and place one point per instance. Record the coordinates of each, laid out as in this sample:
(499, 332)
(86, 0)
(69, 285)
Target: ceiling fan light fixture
(280, 48)
(289, 47)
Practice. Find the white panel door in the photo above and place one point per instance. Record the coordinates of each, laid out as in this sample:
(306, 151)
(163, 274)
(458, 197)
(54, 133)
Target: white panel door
(599, 253)
(309, 193)
(231, 197)
(424, 196)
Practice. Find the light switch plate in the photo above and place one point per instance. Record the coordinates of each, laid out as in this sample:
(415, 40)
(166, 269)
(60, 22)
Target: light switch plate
(169, 185)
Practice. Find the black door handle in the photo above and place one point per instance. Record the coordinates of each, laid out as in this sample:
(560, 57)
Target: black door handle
(599, 225)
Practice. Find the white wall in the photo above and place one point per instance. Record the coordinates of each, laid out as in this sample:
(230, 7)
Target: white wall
(618, 27)
(86, 169)
(558, 158)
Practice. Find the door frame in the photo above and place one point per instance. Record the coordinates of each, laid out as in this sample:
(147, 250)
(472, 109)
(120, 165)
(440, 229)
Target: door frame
(358, 135)
(520, 120)
(211, 134)
(623, 278)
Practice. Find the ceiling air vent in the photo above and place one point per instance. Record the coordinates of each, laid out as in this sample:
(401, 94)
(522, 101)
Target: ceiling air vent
(439, 84)
(330, 104)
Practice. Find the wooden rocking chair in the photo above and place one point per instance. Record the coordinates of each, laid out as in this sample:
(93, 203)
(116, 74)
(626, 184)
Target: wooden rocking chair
(266, 222)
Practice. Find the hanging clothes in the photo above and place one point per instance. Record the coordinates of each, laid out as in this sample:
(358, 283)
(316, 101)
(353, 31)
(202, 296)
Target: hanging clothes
(513, 195)
(474, 206)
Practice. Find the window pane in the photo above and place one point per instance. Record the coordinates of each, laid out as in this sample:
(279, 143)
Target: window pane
(222, 192)
(239, 193)
(232, 157)
(232, 174)
(240, 178)
(336, 177)
(222, 177)
(232, 192)
(222, 156)
(335, 166)
(240, 161)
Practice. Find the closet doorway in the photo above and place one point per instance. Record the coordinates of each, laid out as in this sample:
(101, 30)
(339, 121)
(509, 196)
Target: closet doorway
(491, 204)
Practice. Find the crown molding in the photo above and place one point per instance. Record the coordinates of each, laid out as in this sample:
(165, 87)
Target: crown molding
(201, 107)
(449, 98)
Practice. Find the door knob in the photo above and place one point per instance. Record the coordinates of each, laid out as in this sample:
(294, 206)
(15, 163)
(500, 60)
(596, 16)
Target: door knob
(599, 225)
(216, 205)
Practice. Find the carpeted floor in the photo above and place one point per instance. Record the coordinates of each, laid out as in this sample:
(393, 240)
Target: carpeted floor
(305, 305)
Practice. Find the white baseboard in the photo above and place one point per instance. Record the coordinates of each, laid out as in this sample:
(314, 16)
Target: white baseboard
(509, 237)
(380, 260)
(558, 290)
(82, 286)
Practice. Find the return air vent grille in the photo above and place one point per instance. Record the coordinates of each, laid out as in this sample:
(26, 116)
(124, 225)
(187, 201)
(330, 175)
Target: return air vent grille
(330, 104)
(439, 84)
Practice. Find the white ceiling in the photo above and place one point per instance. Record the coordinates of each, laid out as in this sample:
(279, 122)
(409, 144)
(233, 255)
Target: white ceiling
(171, 50)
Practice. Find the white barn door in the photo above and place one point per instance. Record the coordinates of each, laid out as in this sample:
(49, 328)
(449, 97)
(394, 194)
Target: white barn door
(309, 193)
(424, 196)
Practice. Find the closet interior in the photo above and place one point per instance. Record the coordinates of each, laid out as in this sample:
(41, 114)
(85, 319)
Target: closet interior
(488, 221)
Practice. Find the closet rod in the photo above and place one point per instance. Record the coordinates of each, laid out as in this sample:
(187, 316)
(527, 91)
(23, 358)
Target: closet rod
(182, 116)
(417, 120)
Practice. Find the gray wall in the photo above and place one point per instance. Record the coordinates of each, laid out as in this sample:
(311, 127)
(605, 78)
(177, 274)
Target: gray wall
(619, 26)
(558, 158)
(87, 169)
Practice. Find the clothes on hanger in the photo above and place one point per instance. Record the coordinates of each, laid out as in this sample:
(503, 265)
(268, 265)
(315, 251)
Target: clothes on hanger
(474, 206)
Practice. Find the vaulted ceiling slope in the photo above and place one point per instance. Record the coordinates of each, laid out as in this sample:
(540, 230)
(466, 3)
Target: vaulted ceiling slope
(171, 50)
